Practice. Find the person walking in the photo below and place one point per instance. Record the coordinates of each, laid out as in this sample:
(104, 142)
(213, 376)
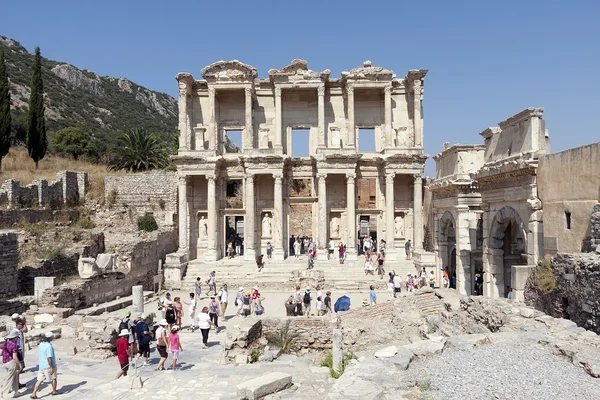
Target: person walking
(223, 298)
(47, 365)
(171, 315)
(127, 323)
(390, 286)
(204, 324)
(407, 249)
(327, 303)
(198, 288)
(123, 352)
(342, 252)
(269, 249)
(297, 248)
(142, 333)
(298, 300)
(12, 365)
(239, 301)
(178, 310)
(380, 261)
(246, 304)
(238, 245)
(162, 343)
(21, 327)
(164, 303)
(397, 284)
(175, 346)
(212, 283)
(214, 312)
(307, 300)
(192, 311)
(372, 295)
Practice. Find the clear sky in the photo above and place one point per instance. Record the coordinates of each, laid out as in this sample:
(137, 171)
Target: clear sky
(487, 60)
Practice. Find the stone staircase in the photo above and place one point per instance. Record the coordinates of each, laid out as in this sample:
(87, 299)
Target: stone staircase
(285, 275)
(428, 303)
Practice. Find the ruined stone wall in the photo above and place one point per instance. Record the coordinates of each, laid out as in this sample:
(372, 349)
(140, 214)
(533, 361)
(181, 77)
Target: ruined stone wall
(68, 187)
(8, 218)
(313, 333)
(577, 296)
(137, 264)
(152, 192)
(569, 184)
(9, 263)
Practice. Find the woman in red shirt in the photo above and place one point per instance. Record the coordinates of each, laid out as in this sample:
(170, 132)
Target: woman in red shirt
(123, 352)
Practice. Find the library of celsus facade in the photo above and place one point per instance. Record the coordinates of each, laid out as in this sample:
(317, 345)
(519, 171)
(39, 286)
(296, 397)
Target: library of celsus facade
(263, 193)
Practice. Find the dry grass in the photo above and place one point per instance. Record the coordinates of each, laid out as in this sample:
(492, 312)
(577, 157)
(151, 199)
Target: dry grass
(18, 165)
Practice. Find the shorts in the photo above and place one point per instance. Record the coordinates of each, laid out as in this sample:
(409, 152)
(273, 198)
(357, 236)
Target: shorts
(268, 252)
(125, 367)
(175, 354)
(162, 350)
(223, 308)
(246, 312)
(45, 375)
(144, 349)
(331, 251)
(341, 255)
(306, 308)
(397, 289)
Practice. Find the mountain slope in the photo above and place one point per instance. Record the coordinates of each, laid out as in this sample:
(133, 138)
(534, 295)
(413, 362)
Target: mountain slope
(73, 97)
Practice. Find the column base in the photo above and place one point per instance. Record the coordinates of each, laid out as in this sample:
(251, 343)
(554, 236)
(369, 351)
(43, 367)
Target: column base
(278, 255)
(322, 254)
(250, 256)
(351, 255)
(391, 255)
(210, 255)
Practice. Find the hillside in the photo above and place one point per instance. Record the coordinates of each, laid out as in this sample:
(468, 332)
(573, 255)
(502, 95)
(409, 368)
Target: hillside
(74, 97)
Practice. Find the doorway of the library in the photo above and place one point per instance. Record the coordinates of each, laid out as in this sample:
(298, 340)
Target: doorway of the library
(364, 233)
(234, 236)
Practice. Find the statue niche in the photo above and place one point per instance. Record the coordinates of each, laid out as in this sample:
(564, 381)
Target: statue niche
(202, 228)
(266, 225)
(399, 226)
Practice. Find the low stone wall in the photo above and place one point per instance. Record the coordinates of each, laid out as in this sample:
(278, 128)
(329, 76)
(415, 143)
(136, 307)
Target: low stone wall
(9, 263)
(136, 265)
(68, 187)
(576, 296)
(9, 218)
(313, 333)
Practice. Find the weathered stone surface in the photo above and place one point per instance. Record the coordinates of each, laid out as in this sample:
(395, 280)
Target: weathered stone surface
(43, 318)
(386, 352)
(257, 388)
(9, 261)
(527, 312)
(426, 348)
(403, 358)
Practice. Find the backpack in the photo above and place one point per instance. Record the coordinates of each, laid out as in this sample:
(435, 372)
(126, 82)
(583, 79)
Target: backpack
(170, 314)
(306, 298)
(124, 324)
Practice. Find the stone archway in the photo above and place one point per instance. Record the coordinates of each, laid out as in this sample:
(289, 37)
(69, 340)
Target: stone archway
(507, 243)
(447, 244)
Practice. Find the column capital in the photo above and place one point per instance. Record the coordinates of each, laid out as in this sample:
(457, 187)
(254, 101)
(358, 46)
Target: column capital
(321, 90)
(417, 87)
(322, 175)
(248, 91)
(277, 91)
(351, 176)
(418, 177)
(350, 90)
(278, 177)
(387, 90)
(250, 179)
(211, 91)
(183, 179)
(389, 177)
(212, 179)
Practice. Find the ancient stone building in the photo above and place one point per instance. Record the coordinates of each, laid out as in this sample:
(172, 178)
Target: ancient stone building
(491, 205)
(264, 194)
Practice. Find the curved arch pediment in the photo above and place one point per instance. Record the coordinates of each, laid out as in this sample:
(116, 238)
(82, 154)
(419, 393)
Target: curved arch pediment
(503, 218)
(233, 70)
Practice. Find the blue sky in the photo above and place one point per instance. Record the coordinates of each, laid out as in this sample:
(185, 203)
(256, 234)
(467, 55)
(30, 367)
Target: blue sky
(486, 60)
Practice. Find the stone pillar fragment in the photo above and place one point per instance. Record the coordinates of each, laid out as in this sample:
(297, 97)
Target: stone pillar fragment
(211, 251)
(137, 292)
(351, 128)
(278, 251)
(212, 123)
(418, 122)
(249, 221)
(183, 143)
(389, 214)
(183, 214)
(336, 350)
(249, 128)
(418, 212)
(323, 222)
(351, 212)
(389, 139)
(321, 115)
(278, 112)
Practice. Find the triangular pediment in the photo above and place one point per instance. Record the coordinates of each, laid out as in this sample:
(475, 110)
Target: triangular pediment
(296, 71)
(368, 72)
(229, 71)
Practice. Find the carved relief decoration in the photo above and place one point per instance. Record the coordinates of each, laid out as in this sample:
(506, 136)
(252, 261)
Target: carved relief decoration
(297, 71)
(368, 72)
(229, 71)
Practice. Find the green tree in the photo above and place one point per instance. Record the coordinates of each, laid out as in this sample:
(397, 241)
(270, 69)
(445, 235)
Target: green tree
(37, 142)
(73, 141)
(5, 129)
(138, 150)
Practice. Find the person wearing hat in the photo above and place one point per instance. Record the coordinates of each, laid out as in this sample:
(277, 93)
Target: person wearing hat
(12, 365)
(47, 365)
(214, 310)
(123, 352)
(142, 334)
(162, 343)
(239, 301)
(175, 345)
(127, 323)
(307, 300)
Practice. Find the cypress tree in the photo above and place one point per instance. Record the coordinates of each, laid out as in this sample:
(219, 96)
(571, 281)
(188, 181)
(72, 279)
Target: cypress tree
(5, 137)
(37, 143)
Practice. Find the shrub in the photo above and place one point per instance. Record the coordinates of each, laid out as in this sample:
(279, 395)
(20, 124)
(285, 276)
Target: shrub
(544, 278)
(170, 168)
(328, 362)
(147, 223)
(51, 253)
(284, 338)
(85, 223)
(424, 385)
(254, 355)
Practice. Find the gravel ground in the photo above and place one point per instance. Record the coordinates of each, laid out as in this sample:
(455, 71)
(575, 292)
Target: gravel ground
(504, 371)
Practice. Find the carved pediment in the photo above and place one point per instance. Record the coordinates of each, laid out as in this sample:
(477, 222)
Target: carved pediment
(229, 71)
(368, 72)
(297, 71)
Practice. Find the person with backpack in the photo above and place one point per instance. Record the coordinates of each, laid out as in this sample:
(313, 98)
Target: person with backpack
(143, 336)
(162, 343)
(307, 300)
(239, 301)
(123, 354)
(212, 283)
(12, 365)
(127, 323)
(213, 311)
(171, 315)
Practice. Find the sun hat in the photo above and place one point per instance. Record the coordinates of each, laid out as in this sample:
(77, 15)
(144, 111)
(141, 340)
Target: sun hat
(124, 332)
(15, 316)
(141, 316)
(255, 287)
(247, 293)
(241, 288)
(175, 328)
(13, 334)
(212, 296)
(49, 335)
(308, 289)
(163, 322)
(128, 313)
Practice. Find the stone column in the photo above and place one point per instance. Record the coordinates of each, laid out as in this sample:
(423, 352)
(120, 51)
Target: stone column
(183, 214)
(249, 221)
(418, 91)
(389, 139)
(351, 129)
(183, 143)
(211, 251)
(137, 293)
(278, 122)
(321, 115)
(390, 210)
(336, 350)
(323, 222)
(212, 119)
(351, 212)
(418, 212)
(278, 250)
(249, 128)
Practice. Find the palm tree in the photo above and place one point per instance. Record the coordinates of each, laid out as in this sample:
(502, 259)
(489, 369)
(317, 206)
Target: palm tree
(138, 150)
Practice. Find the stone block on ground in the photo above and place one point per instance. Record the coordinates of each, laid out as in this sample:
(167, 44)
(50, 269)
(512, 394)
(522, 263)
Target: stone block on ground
(386, 352)
(257, 388)
(43, 318)
(402, 359)
(527, 312)
(426, 348)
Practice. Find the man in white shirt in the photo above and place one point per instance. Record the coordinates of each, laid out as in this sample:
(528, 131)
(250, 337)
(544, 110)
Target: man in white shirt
(223, 298)
(331, 249)
(397, 284)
